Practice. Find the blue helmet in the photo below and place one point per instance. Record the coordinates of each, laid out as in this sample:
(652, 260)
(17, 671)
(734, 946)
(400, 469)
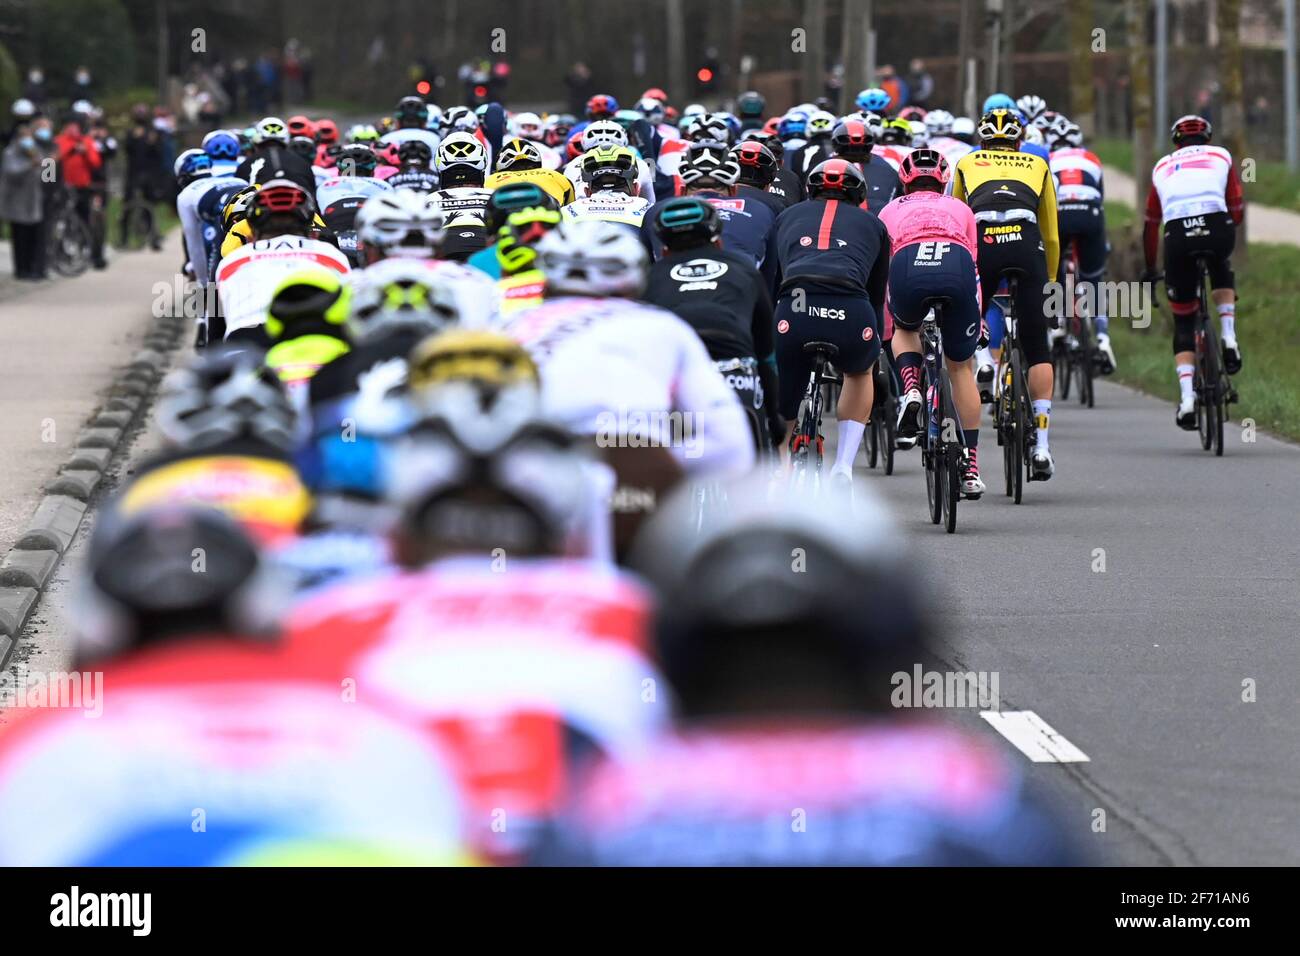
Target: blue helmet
(221, 144)
(999, 101)
(873, 100)
(192, 163)
(794, 123)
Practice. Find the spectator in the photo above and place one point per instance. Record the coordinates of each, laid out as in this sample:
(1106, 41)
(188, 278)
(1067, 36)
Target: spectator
(79, 161)
(21, 202)
(23, 112)
(34, 89)
(895, 86)
(921, 82)
(82, 85)
(580, 86)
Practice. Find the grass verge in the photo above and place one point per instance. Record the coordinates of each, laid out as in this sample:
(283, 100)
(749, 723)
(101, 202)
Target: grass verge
(1268, 327)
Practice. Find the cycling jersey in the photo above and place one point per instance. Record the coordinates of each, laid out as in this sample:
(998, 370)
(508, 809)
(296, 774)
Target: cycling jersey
(465, 208)
(608, 206)
(1078, 176)
(621, 367)
(273, 161)
(194, 207)
(645, 178)
(748, 227)
(556, 184)
(788, 187)
(1189, 183)
(806, 157)
(407, 133)
(1008, 186)
(833, 246)
(296, 361)
(247, 277)
(882, 183)
(523, 290)
(720, 294)
(422, 180)
(871, 796)
(951, 149)
(894, 155)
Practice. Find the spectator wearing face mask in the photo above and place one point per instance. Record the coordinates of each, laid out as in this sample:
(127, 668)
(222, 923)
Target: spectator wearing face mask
(79, 162)
(21, 202)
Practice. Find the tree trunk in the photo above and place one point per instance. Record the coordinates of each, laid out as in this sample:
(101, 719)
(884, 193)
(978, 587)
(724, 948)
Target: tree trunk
(853, 36)
(1082, 92)
(1008, 57)
(1231, 120)
(1139, 68)
(679, 88)
(814, 57)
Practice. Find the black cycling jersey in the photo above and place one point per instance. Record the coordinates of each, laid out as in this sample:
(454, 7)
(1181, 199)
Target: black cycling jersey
(342, 376)
(273, 161)
(804, 159)
(882, 183)
(421, 180)
(748, 227)
(835, 247)
(771, 200)
(720, 294)
(788, 187)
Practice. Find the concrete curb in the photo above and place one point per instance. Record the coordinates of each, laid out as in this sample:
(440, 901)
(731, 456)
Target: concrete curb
(28, 568)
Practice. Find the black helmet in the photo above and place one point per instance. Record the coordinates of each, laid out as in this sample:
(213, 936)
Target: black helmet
(770, 140)
(411, 109)
(837, 179)
(415, 152)
(852, 140)
(685, 223)
(757, 164)
(750, 105)
(357, 159)
(303, 146)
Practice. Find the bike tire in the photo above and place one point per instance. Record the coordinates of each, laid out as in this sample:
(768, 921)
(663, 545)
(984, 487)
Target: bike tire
(891, 435)
(950, 457)
(72, 246)
(1021, 444)
(1008, 437)
(873, 438)
(933, 484)
(1065, 366)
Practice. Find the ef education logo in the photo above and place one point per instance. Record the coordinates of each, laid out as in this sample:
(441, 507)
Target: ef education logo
(74, 909)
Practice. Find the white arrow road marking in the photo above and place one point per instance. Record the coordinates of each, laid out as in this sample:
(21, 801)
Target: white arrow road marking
(1033, 736)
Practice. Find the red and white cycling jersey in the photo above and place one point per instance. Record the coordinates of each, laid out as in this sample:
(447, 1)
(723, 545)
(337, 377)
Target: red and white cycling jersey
(894, 155)
(515, 671)
(248, 277)
(951, 149)
(1194, 181)
(1078, 176)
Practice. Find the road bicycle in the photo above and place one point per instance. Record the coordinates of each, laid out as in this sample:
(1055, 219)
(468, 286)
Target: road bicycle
(882, 428)
(138, 226)
(942, 441)
(1210, 382)
(1074, 353)
(807, 448)
(1012, 408)
(68, 237)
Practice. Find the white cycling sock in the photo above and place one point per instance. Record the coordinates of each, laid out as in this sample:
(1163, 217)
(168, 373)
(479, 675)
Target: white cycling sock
(850, 441)
(1228, 320)
(1185, 373)
(1042, 418)
(985, 357)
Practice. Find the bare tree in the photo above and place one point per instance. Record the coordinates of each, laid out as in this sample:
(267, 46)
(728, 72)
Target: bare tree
(678, 86)
(1232, 118)
(814, 58)
(1079, 21)
(1139, 68)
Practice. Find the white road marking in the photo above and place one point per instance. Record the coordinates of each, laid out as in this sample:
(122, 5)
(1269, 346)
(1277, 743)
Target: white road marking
(1033, 736)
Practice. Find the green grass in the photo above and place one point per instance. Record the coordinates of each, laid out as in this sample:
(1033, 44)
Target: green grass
(1268, 327)
(164, 218)
(1273, 184)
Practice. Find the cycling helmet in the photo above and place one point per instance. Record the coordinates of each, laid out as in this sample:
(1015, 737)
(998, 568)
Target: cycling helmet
(237, 206)
(221, 395)
(938, 123)
(793, 124)
(912, 113)
(411, 111)
(307, 298)
(527, 126)
(770, 140)
(303, 146)
(655, 93)
(280, 200)
(491, 360)
(357, 159)
(519, 154)
(709, 164)
(751, 105)
(141, 585)
(1034, 136)
(1000, 126)
(873, 100)
(433, 117)
(852, 140)
(362, 133)
(919, 135)
(1045, 119)
(896, 132)
(1064, 133)
(820, 124)
(462, 149)
(694, 109)
(998, 101)
(1191, 128)
(518, 237)
(402, 223)
(512, 197)
(651, 109)
(23, 108)
(609, 167)
(603, 133)
(1031, 107)
(415, 152)
(558, 128)
(923, 164)
(271, 129)
(837, 179)
(601, 106)
(757, 164)
(399, 296)
(710, 127)
(459, 119)
(963, 130)
(726, 592)
(385, 125)
(221, 144)
(327, 132)
(686, 223)
(301, 126)
(593, 257)
(192, 164)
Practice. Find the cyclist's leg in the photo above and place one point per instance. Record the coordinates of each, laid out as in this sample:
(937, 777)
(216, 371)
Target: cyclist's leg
(1181, 280)
(906, 282)
(1091, 238)
(1219, 245)
(792, 365)
(859, 345)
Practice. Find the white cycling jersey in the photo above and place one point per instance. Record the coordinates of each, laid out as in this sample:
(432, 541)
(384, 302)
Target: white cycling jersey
(894, 155)
(1078, 175)
(400, 136)
(607, 206)
(199, 234)
(621, 368)
(475, 292)
(247, 278)
(645, 179)
(337, 187)
(951, 149)
(1192, 181)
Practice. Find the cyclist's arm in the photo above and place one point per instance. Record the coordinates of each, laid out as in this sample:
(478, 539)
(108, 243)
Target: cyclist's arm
(878, 279)
(1151, 228)
(765, 352)
(723, 443)
(1048, 226)
(1232, 195)
(958, 185)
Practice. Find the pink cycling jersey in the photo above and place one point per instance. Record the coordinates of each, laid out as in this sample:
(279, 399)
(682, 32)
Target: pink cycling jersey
(925, 216)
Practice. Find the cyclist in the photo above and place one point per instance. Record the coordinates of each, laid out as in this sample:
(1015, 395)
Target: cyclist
(410, 119)
(722, 296)
(281, 217)
(939, 135)
(327, 135)
(522, 284)
(853, 141)
(462, 164)
(786, 185)
(894, 138)
(609, 176)
(934, 246)
(521, 160)
(1081, 205)
(607, 133)
(834, 260)
(271, 157)
(1196, 195)
(751, 106)
(415, 168)
(305, 325)
(784, 690)
(1013, 197)
(529, 126)
(503, 201)
(758, 169)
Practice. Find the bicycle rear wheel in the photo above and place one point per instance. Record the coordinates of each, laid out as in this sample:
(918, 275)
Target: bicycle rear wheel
(1021, 443)
(137, 226)
(874, 428)
(934, 481)
(71, 245)
(890, 434)
(1064, 368)
(949, 455)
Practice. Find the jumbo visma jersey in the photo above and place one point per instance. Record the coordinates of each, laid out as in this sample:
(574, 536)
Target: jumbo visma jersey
(1000, 181)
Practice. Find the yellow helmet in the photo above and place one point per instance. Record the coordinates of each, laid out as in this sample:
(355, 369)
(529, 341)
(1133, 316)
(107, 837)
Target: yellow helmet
(312, 294)
(517, 239)
(236, 208)
(519, 153)
(609, 164)
(1000, 126)
(474, 355)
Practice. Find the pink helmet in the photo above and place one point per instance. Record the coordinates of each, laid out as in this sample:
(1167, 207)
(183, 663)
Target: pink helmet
(387, 153)
(923, 164)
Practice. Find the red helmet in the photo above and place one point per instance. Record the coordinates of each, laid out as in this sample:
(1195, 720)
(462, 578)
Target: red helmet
(923, 164)
(601, 106)
(757, 164)
(1196, 127)
(327, 132)
(852, 140)
(301, 126)
(911, 113)
(387, 153)
(573, 148)
(771, 125)
(837, 179)
(654, 93)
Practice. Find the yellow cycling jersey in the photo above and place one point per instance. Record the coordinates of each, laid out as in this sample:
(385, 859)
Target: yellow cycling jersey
(241, 233)
(558, 185)
(523, 290)
(1002, 180)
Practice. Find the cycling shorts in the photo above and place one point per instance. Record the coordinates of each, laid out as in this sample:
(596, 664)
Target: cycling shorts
(1210, 236)
(1084, 224)
(1018, 244)
(846, 321)
(741, 374)
(927, 270)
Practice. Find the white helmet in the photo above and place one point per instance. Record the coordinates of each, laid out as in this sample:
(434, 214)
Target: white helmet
(402, 223)
(603, 133)
(1031, 107)
(83, 108)
(694, 109)
(460, 118)
(963, 128)
(24, 108)
(399, 295)
(918, 134)
(938, 123)
(592, 257)
(461, 149)
(271, 129)
(433, 120)
(820, 123)
(651, 109)
(527, 126)
(1034, 135)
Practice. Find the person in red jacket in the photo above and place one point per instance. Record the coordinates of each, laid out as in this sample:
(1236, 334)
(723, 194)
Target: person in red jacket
(79, 159)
